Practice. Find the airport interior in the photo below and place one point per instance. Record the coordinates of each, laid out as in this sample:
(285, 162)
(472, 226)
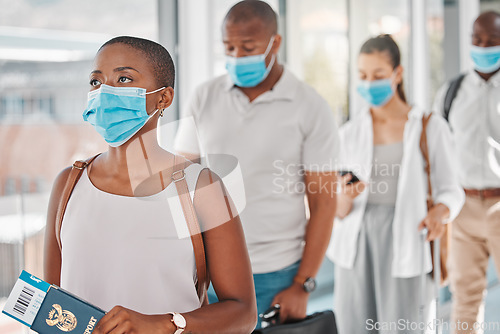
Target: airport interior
(47, 50)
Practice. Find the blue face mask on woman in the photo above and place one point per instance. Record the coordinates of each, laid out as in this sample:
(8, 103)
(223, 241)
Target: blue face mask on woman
(249, 71)
(486, 60)
(377, 93)
(117, 113)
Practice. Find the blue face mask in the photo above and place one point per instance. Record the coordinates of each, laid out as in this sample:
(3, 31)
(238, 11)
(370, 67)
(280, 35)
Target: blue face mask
(377, 93)
(486, 60)
(117, 113)
(249, 71)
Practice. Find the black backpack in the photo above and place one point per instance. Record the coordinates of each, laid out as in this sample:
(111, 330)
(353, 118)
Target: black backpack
(451, 94)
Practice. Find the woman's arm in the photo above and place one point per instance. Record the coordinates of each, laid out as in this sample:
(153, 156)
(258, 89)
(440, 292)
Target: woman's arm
(229, 269)
(52, 254)
(434, 221)
(448, 195)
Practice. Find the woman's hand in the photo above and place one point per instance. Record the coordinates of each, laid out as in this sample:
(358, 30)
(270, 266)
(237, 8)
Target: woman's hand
(347, 195)
(434, 222)
(124, 321)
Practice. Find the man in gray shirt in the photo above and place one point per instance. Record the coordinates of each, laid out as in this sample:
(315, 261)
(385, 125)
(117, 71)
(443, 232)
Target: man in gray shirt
(286, 140)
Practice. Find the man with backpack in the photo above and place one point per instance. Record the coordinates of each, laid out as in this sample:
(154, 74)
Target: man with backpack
(471, 105)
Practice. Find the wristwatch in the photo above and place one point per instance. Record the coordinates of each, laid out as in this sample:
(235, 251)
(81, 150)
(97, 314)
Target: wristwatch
(179, 322)
(308, 283)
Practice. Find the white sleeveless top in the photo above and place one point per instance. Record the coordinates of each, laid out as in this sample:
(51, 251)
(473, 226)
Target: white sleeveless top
(129, 251)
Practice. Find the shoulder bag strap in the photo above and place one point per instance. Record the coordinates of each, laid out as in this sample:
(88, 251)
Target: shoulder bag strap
(425, 152)
(179, 178)
(74, 176)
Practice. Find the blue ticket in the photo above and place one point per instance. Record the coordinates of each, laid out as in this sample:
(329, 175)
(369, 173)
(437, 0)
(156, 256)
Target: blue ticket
(48, 309)
(26, 298)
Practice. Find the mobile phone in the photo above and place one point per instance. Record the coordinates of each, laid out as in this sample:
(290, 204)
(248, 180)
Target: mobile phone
(354, 178)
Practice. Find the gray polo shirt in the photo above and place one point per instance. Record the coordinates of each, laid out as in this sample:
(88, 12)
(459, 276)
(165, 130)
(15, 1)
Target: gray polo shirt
(276, 137)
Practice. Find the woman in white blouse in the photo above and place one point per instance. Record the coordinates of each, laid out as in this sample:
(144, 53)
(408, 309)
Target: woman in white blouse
(376, 242)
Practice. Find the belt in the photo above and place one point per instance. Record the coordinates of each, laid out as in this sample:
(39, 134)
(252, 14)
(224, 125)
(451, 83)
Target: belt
(483, 193)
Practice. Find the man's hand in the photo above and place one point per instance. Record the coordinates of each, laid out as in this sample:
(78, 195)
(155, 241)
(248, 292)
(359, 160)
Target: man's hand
(124, 321)
(293, 303)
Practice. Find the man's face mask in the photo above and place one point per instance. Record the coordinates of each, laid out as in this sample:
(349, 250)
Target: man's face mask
(486, 59)
(117, 113)
(250, 71)
(378, 92)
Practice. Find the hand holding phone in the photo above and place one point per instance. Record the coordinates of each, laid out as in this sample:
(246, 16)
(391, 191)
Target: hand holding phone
(351, 188)
(353, 179)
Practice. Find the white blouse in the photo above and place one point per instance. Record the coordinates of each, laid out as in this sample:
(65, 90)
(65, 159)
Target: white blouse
(410, 208)
(129, 251)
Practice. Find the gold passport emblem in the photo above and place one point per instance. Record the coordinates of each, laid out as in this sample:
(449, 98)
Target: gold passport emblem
(62, 319)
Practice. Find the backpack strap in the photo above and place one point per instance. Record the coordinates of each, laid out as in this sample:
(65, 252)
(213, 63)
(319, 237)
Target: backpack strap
(74, 175)
(451, 94)
(424, 147)
(179, 178)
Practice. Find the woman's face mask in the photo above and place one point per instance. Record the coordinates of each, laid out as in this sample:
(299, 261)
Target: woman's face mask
(117, 113)
(378, 92)
(250, 71)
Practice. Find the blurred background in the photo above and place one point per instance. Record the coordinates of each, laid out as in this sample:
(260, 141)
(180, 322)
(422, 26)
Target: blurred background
(46, 53)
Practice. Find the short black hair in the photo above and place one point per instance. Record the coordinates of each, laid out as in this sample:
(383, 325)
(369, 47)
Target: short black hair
(163, 65)
(247, 10)
(490, 16)
(490, 13)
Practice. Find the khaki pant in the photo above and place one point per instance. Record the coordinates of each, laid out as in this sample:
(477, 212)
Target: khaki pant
(475, 236)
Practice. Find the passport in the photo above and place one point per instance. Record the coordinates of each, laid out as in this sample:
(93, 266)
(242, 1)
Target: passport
(48, 309)
(63, 312)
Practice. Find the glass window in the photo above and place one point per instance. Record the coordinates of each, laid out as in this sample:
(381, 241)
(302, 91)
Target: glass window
(318, 49)
(46, 53)
(435, 24)
(486, 5)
